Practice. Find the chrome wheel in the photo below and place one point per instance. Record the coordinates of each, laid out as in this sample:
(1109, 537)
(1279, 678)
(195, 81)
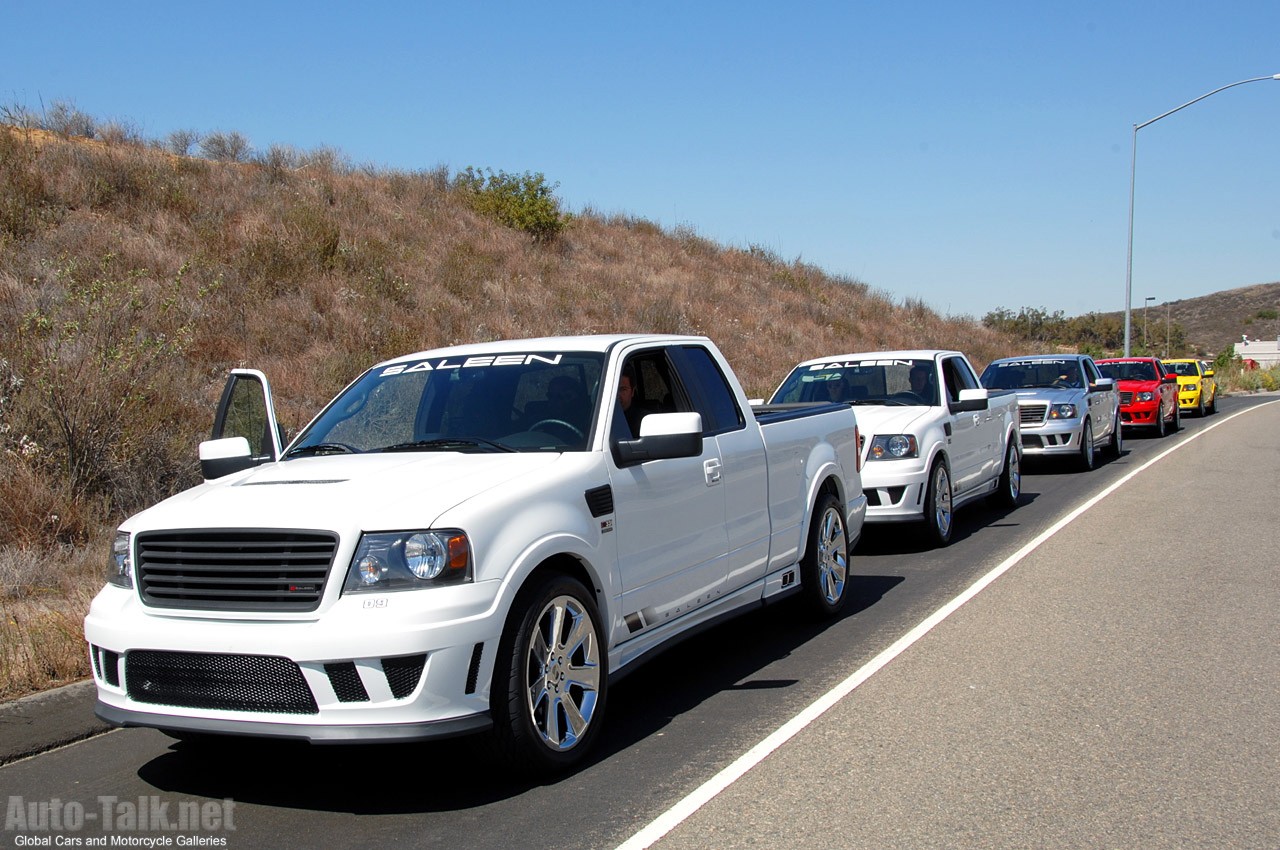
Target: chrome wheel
(1086, 446)
(833, 555)
(562, 672)
(550, 677)
(938, 505)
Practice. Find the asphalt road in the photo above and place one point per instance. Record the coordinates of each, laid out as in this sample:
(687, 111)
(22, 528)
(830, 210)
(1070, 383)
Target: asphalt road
(1116, 687)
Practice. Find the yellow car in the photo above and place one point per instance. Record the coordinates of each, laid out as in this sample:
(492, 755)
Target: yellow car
(1197, 390)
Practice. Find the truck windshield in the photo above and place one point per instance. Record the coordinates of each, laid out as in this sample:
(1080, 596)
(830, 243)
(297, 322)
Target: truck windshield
(521, 401)
(1027, 374)
(1123, 370)
(897, 381)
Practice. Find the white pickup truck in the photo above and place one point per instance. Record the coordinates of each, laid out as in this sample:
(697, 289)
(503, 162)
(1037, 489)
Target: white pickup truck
(933, 437)
(471, 538)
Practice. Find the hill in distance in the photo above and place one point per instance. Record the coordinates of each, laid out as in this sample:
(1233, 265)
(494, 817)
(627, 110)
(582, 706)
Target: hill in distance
(1213, 323)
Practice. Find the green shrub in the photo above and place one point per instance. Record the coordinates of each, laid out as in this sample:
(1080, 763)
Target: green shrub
(524, 202)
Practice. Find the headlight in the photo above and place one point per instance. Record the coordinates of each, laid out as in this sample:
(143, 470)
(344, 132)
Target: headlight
(1062, 411)
(893, 447)
(409, 560)
(120, 566)
(1146, 396)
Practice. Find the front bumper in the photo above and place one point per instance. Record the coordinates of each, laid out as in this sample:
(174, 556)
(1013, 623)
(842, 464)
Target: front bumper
(1140, 414)
(376, 667)
(895, 489)
(1058, 437)
(1189, 399)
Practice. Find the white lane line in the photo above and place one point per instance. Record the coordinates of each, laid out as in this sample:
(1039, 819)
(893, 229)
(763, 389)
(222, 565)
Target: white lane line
(706, 792)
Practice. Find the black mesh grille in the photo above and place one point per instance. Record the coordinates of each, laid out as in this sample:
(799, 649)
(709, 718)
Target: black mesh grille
(403, 673)
(346, 682)
(473, 672)
(209, 680)
(234, 570)
(1126, 398)
(111, 668)
(97, 661)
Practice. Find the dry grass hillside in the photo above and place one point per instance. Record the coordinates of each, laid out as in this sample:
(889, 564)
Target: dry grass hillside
(132, 279)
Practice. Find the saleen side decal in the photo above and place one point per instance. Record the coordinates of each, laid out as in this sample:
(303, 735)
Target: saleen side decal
(472, 363)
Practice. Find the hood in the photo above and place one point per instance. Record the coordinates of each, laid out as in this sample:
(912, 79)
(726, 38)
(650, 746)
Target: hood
(365, 492)
(1050, 395)
(876, 419)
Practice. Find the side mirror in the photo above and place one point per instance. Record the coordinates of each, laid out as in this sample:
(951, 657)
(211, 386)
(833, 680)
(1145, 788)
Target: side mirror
(1208, 373)
(971, 400)
(225, 456)
(1103, 384)
(1169, 379)
(662, 436)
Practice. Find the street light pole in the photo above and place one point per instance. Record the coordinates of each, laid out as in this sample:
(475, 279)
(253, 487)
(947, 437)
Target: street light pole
(1133, 171)
(1145, 302)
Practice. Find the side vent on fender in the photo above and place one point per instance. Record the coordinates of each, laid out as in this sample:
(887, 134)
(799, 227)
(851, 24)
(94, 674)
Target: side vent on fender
(600, 500)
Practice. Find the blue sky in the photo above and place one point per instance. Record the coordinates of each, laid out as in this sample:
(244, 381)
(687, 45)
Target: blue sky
(971, 155)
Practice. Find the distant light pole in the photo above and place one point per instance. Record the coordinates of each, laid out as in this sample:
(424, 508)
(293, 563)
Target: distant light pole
(1145, 302)
(1133, 171)
(1168, 313)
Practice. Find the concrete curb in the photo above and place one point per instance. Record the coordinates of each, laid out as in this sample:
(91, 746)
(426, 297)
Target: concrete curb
(49, 719)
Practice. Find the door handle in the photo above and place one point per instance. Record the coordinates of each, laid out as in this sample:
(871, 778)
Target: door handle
(711, 469)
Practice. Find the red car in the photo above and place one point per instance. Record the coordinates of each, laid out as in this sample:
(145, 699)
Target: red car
(1148, 392)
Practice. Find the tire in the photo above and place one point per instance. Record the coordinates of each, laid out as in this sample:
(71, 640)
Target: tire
(824, 570)
(1176, 425)
(1200, 406)
(938, 515)
(1010, 487)
(1115, 448)
(1086, 459)
(1161, 430)
(549, 681)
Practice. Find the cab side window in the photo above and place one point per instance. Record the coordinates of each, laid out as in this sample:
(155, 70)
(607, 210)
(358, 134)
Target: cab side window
(958, 376)
(712, 396)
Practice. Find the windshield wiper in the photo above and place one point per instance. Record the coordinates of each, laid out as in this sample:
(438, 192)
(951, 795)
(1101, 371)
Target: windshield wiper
(321, 449)
(447, 443)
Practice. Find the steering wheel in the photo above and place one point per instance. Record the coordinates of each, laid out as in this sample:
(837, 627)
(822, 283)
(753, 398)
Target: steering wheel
(575, 434)
(907, 395)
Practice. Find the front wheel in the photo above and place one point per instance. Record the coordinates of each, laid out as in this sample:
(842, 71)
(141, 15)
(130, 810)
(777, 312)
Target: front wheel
(1177, 417)
(550, 678)
(1086, 446)
(937, 503)
(824, 570)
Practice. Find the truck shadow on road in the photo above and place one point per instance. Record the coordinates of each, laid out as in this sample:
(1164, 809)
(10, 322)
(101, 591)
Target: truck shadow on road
(729, 659)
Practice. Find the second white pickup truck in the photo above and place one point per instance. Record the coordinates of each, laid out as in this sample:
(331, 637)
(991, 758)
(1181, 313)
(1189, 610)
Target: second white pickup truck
(470, 538)
(933, 438)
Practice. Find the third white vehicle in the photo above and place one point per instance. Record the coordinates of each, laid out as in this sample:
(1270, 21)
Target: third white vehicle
(1066, 407)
